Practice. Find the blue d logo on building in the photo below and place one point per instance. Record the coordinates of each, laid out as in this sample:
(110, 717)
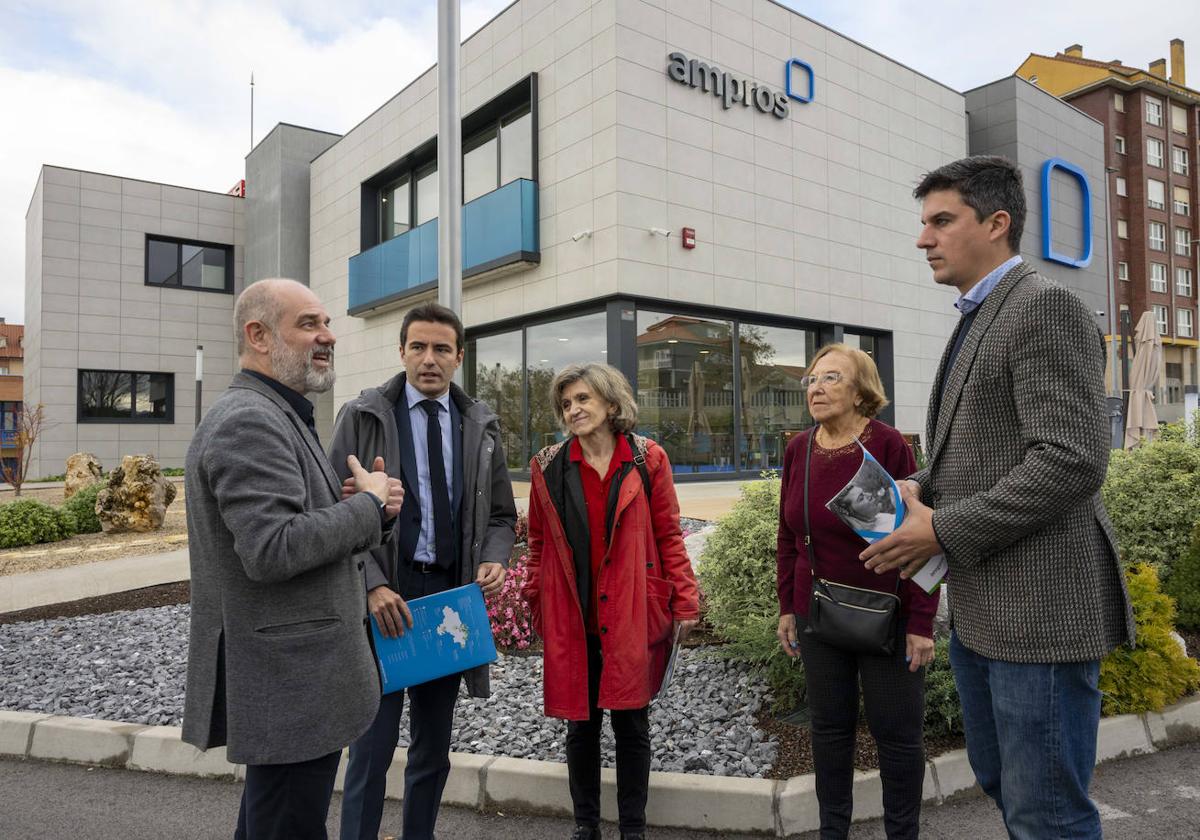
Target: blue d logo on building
(1085, 248)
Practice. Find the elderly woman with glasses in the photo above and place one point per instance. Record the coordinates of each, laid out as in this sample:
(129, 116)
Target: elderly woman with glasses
(609, 580)
(844, 395)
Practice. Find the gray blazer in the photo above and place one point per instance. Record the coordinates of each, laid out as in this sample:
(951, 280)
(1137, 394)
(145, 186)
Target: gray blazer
(366, 427)
(279, 666)
(1017, 455)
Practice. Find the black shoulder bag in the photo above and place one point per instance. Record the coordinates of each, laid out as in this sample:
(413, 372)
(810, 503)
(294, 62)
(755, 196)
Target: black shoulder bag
(847, 617)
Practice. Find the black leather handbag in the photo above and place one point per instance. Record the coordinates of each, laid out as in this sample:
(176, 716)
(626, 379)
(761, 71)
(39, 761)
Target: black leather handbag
(848, 617)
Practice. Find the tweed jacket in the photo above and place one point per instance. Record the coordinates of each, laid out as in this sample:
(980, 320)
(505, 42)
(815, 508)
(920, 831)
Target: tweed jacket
(279, 666)
(1018, 450)
(366, 427)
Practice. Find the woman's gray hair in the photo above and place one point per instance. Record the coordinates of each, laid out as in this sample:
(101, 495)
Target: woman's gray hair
(606, 383)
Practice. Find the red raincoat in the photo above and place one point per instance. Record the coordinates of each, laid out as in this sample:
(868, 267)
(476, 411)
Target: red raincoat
(645, 584)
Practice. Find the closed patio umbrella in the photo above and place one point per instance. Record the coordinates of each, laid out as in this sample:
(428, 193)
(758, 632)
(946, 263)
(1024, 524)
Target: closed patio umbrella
(1142, 420)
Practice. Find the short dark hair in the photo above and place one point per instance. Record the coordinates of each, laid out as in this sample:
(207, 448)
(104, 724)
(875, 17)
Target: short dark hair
(437, 314)
(987, 183)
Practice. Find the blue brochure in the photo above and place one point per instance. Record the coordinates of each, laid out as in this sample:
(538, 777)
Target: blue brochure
(450, 633)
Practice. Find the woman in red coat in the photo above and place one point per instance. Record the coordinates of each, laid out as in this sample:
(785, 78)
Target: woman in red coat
(609, 580)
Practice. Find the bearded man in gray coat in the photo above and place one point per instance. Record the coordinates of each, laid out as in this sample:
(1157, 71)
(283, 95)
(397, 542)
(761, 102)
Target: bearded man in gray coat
(456, 528)
(280, 669)
(1018, 447)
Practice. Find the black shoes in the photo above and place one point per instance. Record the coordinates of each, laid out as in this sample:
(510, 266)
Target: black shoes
(585, 832)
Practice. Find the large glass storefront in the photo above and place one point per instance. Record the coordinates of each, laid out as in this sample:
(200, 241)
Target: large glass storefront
(721, 393)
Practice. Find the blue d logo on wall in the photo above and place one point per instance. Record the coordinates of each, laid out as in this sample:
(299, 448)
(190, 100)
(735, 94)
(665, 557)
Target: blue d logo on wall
(795, 93)
(1048, 251)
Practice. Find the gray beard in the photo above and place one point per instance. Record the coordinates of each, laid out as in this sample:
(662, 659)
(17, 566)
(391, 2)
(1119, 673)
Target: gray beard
(296, 370)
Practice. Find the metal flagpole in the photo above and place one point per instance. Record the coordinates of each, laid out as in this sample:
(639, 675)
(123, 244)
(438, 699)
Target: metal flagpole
(449, 159)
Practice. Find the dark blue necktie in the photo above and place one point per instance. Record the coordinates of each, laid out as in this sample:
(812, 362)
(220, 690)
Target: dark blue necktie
(442, 525)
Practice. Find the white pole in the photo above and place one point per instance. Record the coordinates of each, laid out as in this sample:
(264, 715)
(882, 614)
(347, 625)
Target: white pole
(199, 379)
(449, 159)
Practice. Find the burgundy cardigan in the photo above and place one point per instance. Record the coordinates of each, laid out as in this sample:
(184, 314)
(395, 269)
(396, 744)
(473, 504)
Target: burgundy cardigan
(837, 546)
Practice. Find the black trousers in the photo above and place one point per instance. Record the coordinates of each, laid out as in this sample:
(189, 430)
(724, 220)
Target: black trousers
(287, 801)
(631, 729)
(894, 699)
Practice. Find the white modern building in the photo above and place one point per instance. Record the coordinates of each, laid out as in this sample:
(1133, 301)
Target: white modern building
(701, 200)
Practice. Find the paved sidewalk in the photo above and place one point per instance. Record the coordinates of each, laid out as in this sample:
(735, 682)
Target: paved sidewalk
(87, 580)
(1151, 797)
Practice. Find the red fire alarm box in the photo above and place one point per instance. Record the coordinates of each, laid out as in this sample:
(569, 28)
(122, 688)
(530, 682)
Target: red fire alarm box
(689, 237)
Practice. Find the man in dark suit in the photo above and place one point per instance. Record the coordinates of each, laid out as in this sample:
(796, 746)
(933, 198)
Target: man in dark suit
(456, 527)
(1018, 448)
(279, 666)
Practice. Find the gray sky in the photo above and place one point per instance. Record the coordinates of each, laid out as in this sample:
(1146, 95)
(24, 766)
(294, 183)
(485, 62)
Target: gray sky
(159, 90)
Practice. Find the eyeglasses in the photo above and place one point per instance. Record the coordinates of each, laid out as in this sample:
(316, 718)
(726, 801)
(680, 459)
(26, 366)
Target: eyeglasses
(825, 379)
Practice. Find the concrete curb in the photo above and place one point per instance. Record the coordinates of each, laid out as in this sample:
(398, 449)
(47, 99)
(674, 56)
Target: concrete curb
(682, 800)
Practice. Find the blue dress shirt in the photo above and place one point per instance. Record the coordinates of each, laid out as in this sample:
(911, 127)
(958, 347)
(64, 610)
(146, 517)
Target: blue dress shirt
(975, 295)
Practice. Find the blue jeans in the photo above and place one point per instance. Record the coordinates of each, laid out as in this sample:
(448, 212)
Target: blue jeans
(1031, 739)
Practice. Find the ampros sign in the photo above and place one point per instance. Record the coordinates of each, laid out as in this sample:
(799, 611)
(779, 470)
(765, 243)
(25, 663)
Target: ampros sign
(734, 91)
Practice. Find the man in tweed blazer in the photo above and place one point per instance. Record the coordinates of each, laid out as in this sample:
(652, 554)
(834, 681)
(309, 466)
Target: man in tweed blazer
(1018, 448)
(279, 667)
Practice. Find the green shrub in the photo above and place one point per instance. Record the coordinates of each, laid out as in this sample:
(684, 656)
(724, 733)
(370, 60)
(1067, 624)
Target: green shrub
(943, 711)
(82, 507)
(172, 471)
(737, 575)
(1153, 498)
(1184, 586)
(27, 521)
(1156, 673)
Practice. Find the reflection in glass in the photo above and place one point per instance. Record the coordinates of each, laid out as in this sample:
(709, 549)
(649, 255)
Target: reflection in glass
(394, 208)
(773, 403)
(104, 393)
(213, 270)
(549, 348)
(866, 343)
(427, 195)
(151, 396)
(685, 389)
(479, 165)
(516, 147)
(162, 263)
(493, 374)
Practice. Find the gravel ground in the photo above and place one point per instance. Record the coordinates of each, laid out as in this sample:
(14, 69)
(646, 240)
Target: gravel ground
(130, 666)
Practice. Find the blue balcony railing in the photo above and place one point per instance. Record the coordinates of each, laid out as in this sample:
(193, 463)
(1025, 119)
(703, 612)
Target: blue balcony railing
(499, 228)
(8, 438)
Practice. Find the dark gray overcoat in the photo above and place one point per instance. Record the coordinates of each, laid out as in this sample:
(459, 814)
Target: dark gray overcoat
(279, 666)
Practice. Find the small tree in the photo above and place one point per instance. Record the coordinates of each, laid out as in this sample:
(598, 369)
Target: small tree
(30, 424)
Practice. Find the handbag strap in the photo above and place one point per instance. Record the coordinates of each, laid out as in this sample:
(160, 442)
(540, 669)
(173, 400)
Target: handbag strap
(809, 547)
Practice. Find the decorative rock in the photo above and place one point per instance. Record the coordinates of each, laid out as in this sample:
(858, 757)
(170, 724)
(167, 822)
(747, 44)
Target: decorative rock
(136, 497)
(83, 470)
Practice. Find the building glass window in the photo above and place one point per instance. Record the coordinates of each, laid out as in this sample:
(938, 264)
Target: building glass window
(479, 164)
(1122, 229)
(1160, 318)
(1121, 187)
(548, 349)
(1183, 323)
(1178, 118)
(184, 264)
(427, 194)
(773, 404)
(1156, 194)
(1183, 242)
(516, 146)
(1119, 144)
(685, 389)
(1122, 271)
(1119, 102)
(1154, 114)
(1158, 236)
(1179, 160)
(1182, 203)
(494, 374)
(1158, 277)
(396, 205)
(1154, 151)
(118, 396)
(1183, 282)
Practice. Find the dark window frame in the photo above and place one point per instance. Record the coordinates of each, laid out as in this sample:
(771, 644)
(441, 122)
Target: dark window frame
(169, 419)
(179, 242)
(622, 353)
(518, 98)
